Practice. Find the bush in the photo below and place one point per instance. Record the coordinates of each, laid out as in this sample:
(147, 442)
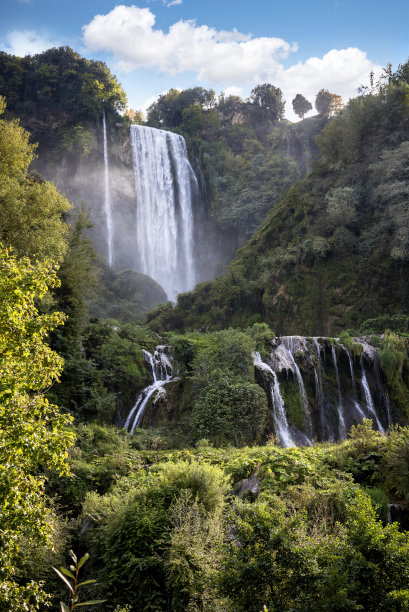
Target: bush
(229, 410)
(149, 556)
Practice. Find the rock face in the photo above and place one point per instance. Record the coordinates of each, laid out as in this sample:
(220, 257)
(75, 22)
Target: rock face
(164, 407)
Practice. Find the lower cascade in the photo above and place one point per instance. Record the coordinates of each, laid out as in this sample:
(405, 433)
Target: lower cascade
(317, 388)
(164, 185)
(162, 373)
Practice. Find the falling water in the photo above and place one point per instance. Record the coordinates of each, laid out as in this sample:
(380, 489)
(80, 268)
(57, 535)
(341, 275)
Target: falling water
(108, 213)
(369, 401)
(358, 408)
(279, 415)
(288, 342)
(318, 387)
(342, 428)
(164, 218)
(161, 370)
(351, 369)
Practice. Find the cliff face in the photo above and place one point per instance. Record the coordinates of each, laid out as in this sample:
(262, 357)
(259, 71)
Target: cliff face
(81, 178)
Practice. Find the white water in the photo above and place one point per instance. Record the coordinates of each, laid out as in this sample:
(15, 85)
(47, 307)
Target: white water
(318, 387)
(108, 212)
(369, 401)
(161, 370)
(164, 218)
(279, 415)
(342, 428)
(289, 343)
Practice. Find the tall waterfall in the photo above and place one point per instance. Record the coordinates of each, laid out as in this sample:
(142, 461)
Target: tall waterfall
(164, 180)
(108, 212)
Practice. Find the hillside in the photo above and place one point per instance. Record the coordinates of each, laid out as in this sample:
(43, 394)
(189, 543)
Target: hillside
(207, 460)
(335, 251)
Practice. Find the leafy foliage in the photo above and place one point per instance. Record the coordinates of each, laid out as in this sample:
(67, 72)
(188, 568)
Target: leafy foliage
(74, 88)
(31, 209)
(331, 253)
(301, 105)
(33, 433)
(72, 574)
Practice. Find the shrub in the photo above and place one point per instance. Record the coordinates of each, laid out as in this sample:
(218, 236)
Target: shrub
(149, 556)
(229, 410)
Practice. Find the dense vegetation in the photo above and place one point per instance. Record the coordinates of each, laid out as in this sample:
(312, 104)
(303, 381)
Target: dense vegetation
(205, 511)
(249, 154)
(334, 251)
(239, 529)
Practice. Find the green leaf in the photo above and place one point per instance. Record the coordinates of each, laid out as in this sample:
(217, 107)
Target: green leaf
(90, 603)
(67, 572)
(64, 607)
(63, 578)
(83, 560)
(85, 582)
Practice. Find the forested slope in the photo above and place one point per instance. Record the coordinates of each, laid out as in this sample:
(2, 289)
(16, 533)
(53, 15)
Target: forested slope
(335, 251)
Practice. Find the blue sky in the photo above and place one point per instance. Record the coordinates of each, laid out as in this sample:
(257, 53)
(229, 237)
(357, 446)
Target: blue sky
(228, 45)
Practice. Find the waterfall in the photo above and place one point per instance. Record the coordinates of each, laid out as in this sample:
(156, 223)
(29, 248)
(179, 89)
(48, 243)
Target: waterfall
(279, 415)
(332, 404)
(369, 401)
(108, 213)
(162, 373)
(164, 220)
(318, 388)
(358, 408)
(342, 428)
(289, 344)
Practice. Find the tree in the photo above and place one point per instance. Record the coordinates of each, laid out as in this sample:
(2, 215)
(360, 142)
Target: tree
(135, 117)
(33, 434)
(328, 103)
(168, 109)
(269, 99)
(301, 105)
(31, 209)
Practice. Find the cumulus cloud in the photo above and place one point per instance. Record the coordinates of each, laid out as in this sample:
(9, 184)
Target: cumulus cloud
(27, 42)
(217, 56)
(231, 60)
(341, 71)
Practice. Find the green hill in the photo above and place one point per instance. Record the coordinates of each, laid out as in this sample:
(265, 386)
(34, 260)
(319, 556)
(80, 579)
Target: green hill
(335, 251)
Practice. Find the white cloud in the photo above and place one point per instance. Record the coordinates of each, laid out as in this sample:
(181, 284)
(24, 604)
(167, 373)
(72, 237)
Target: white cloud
(233, 91)
(174, 3)
(341, 71)
(217, 56)
(27, 42)
(230, 59)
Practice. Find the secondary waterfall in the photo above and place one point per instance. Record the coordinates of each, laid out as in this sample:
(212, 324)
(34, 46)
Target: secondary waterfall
(107, 200)
(311, 384)
(317, 388)
(164, 184)
(162, 373)
(278, 410)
